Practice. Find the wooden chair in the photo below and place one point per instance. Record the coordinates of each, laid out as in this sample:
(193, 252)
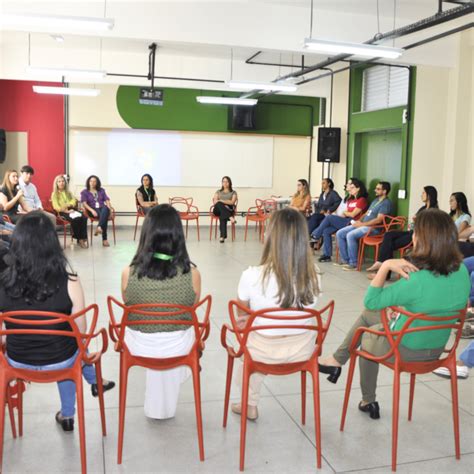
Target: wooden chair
(300, 321)
(187, 212)
(42, 320)
(163, 314)
(393, 360)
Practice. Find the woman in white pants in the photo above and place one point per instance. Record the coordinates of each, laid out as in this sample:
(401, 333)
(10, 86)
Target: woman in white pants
(161, 272)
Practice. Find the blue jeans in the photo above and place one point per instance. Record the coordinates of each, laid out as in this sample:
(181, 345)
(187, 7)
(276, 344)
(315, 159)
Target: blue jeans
(314, 221)
(8, 226)
(67, 388)
(469, 262)
(329, 225)
(348, 242)
(467, 355)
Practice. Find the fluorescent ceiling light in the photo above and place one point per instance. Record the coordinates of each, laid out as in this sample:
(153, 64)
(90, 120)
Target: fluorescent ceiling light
(77, 73)
(204, 99)
(359, 49)
(262, 86)
(66, 91)
(59, 23)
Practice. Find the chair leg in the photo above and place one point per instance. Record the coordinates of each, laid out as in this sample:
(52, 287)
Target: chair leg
(350, 376)
(136, 227)
(412, 395)
(122, 405)
(65, 235)
(81, 420)
(246, 229)
(21, 389)
(100, 389)
(187, 222)
(113, 230)
(210, 229)
(197, 403)
(3, 392)
(303, 397)
(455, 403)
(228, 382)
(10, 410)
(376, 254)
(92, 233)
(243, 415)
(361, 255)
(317, 416)
(395, 411)
(197, 223)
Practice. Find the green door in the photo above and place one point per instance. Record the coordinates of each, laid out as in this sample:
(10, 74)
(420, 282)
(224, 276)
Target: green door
(378, 157)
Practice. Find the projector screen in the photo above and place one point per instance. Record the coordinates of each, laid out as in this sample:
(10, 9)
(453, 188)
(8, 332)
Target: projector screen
(121, 156)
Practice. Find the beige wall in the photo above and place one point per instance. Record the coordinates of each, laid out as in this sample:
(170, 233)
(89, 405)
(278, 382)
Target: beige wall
(17, 152)
(443, 152)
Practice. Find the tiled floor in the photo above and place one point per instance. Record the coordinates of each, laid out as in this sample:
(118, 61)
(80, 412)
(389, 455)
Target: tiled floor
(277, 442)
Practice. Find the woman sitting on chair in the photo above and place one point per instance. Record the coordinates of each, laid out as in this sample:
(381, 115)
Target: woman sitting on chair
(65, 204)
(224, 206)
(288, 278)
(11, 197)
(301, 200)
(37, 277)
(97, 204)
(145, 194)
(435, 282)
(161, 272)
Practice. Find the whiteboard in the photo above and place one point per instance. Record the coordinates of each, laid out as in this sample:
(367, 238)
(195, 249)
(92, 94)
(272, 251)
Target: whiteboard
(121, 156)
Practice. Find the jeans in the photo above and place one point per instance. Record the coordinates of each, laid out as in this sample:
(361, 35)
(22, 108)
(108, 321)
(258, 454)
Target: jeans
(7, 226)
(467, 355)
(348, 242)
(67, 388)
(469, 262)
(329, 226)
(314, 221)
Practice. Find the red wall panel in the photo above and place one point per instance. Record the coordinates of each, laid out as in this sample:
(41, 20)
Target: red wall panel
(42, 116)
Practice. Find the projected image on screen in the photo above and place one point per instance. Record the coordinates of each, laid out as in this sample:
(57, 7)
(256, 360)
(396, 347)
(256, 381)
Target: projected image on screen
(156, 154)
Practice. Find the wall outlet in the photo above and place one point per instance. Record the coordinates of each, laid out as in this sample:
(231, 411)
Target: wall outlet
(404, 116)
(402, 194)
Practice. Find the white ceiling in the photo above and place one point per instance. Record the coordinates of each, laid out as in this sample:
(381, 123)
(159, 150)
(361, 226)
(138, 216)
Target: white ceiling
(196, 37)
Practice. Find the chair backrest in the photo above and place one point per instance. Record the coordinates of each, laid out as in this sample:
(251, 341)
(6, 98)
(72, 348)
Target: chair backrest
(392, 223)
(44, 320)
(455, 322)
(48, 206)
(286, 321)
(270, 205)
(6, 218)
(181, 204)
(159, 314)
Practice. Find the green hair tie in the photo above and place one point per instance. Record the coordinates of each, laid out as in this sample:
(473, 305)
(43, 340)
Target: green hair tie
(162, 256)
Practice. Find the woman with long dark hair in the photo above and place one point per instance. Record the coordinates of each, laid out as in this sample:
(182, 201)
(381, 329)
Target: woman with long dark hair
(161, 272)
(224, 201)
(97, 204)
(459, 211)
(434, 282)
(287, 277)
(146, 194)
(38, 277)
(398, 239)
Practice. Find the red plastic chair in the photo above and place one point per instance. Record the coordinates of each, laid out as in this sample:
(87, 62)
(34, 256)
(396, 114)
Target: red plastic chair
(389, 224)
(251, 366)
(127, 360)
(187, 212)
(7, 219)
(60, 221)
(13, 400)
(258, 215)
(140, 213)
(413, 368)
(42, 321)
(215, 222)
(93, 219)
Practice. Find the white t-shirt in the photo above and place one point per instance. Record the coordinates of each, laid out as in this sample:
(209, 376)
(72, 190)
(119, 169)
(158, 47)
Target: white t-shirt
(341, 209)
(251, 289)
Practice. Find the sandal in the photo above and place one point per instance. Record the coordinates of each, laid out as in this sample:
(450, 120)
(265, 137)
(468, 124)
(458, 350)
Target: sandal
(468, 330)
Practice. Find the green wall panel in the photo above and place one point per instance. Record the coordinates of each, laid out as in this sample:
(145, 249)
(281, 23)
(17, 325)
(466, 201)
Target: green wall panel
(275, 114)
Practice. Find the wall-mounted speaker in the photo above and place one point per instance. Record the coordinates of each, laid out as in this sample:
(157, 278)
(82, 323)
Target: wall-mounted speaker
(3, 145)
(329, 144)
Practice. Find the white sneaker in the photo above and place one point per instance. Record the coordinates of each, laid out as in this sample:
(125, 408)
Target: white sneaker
(461, 371)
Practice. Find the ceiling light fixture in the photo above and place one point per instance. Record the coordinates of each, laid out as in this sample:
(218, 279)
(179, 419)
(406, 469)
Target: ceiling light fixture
(204, 99)
(92, 74)
(66, 91)
(262, 86)
(59, 23)
(358, 49)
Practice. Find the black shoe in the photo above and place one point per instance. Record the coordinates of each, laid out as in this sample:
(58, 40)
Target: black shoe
(333, 371)
(372, 409)
(107, 386)
(324, 258)
(66, 423)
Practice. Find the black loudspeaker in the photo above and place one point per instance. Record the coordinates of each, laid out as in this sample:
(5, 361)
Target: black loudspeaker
(3, 145)
(241, 117)
(329, 145)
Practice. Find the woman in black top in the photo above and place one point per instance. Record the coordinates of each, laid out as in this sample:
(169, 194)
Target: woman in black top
(398, 239)
(145, 194)
(37, 278)
(11, 197)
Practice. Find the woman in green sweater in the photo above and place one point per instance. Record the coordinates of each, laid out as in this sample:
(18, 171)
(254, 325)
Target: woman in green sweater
(434, 282)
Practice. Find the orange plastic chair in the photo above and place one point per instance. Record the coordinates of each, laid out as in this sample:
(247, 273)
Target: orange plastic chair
(258, 215)
(215, 221)
(251, 366)
(13, 400)
(187, 212)
(127, 360)
(389, 224)
(60, 221)
(140, 213)
(7, 219)
(413, 368)
(41, 323)
(93, 219)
